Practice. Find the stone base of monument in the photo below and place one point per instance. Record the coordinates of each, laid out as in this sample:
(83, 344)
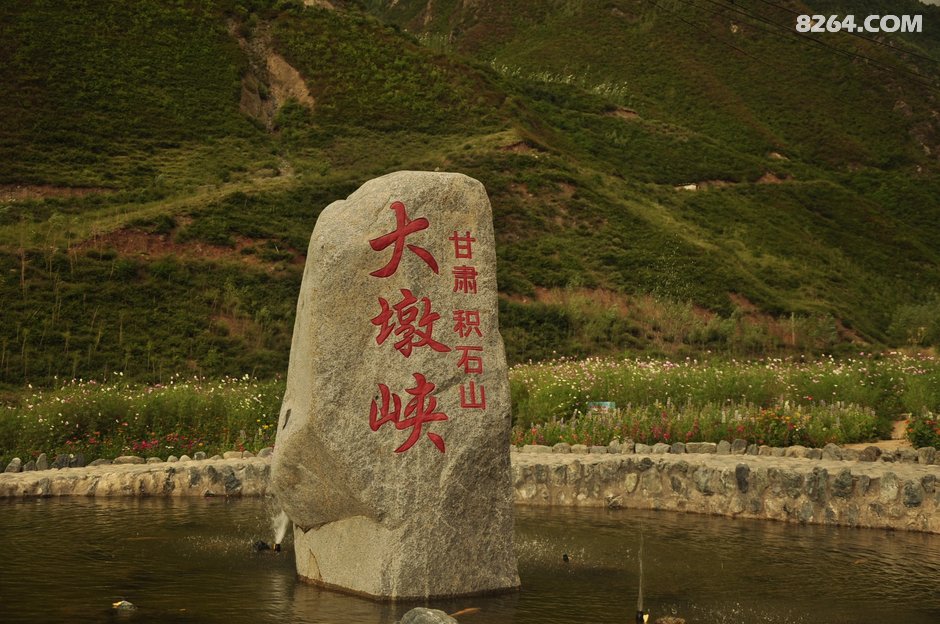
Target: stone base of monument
(359, 556)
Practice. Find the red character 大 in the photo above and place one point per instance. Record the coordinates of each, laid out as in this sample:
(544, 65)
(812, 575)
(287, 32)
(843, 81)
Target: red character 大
(467, 322)
(462, 245)
(411, 335)
(404, 226)
(419, 410)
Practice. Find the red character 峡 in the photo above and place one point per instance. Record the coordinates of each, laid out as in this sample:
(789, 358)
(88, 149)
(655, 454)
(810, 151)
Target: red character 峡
(418, 411)
(407, 314)
(404, 227)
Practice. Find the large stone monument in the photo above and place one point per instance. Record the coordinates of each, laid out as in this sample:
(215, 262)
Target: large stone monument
(392, 450)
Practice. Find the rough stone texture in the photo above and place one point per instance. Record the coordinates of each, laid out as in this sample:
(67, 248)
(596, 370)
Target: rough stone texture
(172, 458)
(266, 452)
(30, 465)
(614, 446)
(101, 461)
(627, 447)
(738, 446)
(214, 458)
(246, 477)
(199, 455)
(724, 447)
(813, 453)
(423, 615)
(61, 461)
(391, 510)
(15, 465)
(42, 462)
(701, 447)
(643, 449)
(752, 449)
(796, 451)
(832, 452)
(677, 448)
(598, 450)
(185, 458)
(898, 496)
(536, 448)
(129, 459)
(850, 454)
(561, 447)
(232, 455)
(154, 460)
(579, 448)
(765, 451)
(660, 447)
(869, 454)
(926, 455)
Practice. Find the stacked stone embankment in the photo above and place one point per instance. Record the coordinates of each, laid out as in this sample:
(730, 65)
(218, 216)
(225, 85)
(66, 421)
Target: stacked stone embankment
(835, 486)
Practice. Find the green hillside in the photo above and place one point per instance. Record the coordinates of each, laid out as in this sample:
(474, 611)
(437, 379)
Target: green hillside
(163, 163)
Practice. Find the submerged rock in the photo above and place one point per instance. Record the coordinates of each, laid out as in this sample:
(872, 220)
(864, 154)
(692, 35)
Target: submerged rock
(422, 615)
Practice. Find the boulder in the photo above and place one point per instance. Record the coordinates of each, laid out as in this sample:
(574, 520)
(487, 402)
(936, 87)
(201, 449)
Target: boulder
(266, 452)
(579, 448)
(869, 454)
(643, 449)
(677, 448)
(42, 463)
(724, 447)
(422, 615)
(701, 447)
(661, 448)
(15, 465)
(154, 460)
(738, 446)
(199, 455)
(232, 455)
(832, 452)
(561, 447)
(129, 459)
(29, 466)
(597, 449)
(536, 448)
(393, 437)
(101, 461)
(926, 455)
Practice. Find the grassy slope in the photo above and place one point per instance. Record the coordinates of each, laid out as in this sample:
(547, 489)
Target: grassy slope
(584, 201)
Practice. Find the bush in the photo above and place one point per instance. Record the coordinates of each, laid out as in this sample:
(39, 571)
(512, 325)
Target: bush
(924, 430)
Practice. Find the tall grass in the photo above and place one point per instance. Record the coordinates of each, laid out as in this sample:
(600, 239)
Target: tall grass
(877, 388)
(181, 416)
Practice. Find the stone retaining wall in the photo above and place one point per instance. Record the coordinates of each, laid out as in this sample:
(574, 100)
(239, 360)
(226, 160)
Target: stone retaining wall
(850, 493)
(858, 494)
(223, 477)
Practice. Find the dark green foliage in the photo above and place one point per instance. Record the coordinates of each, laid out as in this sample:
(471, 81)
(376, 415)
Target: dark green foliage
(813, 226)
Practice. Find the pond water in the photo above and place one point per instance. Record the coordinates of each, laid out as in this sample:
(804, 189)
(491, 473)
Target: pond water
(191, 561)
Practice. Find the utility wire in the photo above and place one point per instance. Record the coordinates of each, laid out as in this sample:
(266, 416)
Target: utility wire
(858, 34)
(919, 78)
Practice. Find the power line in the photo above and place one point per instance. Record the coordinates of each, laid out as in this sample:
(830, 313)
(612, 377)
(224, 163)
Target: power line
(805, 37)
(858, 34)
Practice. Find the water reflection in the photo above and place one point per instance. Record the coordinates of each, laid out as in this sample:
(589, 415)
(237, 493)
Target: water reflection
(191, 561)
